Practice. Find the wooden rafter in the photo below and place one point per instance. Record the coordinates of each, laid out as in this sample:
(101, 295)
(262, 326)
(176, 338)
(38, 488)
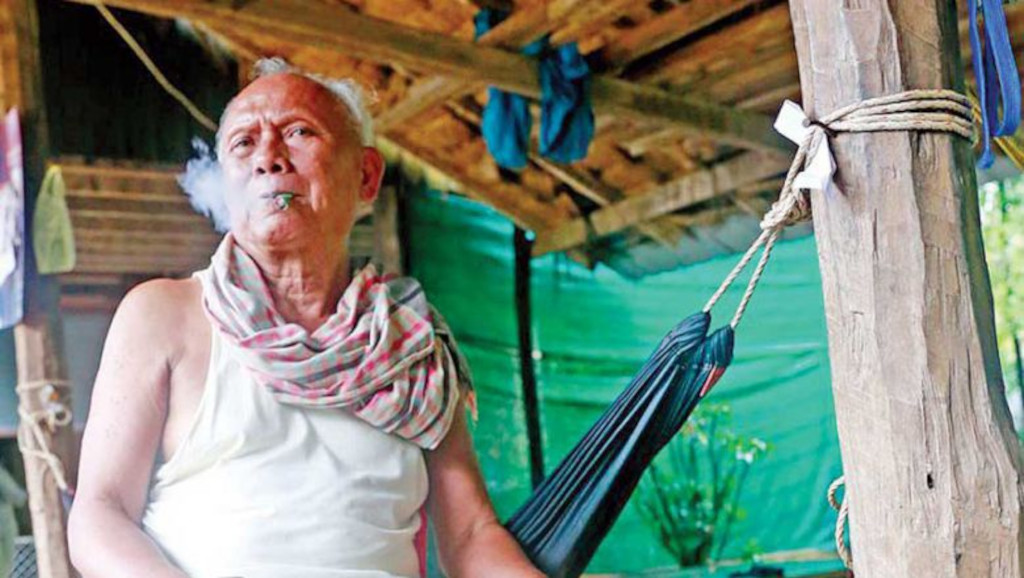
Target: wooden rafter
(660, 230)
(519, 29)
(683, 192)
(338, 29)
(520, 204)
(663, 232)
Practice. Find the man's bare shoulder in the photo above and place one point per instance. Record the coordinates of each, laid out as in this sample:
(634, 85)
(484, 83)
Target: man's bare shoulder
(159, 314)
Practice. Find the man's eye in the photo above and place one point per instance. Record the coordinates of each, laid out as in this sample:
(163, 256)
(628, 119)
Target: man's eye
(240, 143)
(301, 131)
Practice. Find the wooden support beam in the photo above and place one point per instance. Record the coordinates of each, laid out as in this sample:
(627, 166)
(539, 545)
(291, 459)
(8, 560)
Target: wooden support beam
(686, 191)
(339, 29)
(37, 339)
(933, 467)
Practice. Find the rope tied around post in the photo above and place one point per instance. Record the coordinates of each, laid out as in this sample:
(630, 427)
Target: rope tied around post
(32, 439)
(929, 110)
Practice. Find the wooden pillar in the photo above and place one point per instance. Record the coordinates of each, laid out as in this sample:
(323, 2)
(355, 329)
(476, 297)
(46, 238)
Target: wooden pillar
(38, 338)
(931, 460)
(387, 238)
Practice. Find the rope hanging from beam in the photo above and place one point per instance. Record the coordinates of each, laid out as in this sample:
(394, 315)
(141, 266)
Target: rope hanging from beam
(152, 68)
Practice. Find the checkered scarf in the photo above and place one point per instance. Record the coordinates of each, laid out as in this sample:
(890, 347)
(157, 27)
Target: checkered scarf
(385, 355)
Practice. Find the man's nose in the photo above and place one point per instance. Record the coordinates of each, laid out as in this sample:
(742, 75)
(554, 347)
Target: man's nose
(271, 157)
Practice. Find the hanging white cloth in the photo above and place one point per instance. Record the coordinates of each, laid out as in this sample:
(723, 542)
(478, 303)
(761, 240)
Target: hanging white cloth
(12, 222)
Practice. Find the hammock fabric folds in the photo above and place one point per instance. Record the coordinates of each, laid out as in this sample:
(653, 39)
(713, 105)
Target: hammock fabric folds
(563, 522)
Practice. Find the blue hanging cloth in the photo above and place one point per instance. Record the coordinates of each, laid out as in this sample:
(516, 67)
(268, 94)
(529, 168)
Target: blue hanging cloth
(994, 65)
(506, 120)
(567, 120)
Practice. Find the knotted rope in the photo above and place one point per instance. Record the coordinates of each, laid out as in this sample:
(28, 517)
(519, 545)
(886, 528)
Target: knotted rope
(941, 110)
(32, 440)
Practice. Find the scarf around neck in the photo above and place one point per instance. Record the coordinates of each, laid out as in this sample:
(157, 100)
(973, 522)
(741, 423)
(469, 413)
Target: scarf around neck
(385, 354)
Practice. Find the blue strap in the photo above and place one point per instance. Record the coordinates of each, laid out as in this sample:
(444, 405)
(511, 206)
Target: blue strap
(994, 63)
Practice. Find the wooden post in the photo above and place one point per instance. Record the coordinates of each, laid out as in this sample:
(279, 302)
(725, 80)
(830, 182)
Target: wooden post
(933, 468)
(387, 239)
(38, 337)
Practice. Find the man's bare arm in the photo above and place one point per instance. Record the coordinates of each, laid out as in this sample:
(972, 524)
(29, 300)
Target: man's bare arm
(126, 419)
(471, 540)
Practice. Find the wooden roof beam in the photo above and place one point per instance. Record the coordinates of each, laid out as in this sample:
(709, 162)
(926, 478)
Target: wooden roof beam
(519, 29)
(686, 191)
(661, 231)
(339, 29)
(521, 205)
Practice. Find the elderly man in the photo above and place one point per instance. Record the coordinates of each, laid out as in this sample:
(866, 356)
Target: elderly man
(278, 415)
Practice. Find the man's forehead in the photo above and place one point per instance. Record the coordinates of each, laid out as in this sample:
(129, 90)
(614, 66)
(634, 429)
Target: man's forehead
(284, 94)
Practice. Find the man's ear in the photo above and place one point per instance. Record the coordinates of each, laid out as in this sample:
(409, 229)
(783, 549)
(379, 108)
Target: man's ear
(373, 174)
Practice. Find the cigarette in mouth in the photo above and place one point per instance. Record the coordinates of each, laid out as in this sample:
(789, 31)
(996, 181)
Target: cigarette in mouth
(282, 199)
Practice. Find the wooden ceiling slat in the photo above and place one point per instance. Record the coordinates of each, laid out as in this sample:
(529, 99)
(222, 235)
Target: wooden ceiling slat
(679, 22)
(122, 195)
(519, 29)
(687, 191)
(186, 238)
(334, 29)
(155, 208)
(738, 45)
(520, 205)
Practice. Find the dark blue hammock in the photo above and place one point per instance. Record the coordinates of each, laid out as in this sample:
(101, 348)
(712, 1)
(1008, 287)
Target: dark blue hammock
(564, 521)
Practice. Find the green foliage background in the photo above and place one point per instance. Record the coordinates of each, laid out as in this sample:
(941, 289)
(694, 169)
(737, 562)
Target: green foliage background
(1002, 218)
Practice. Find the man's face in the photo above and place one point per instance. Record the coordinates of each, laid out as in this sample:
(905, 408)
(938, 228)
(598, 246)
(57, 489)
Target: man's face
(287, 135)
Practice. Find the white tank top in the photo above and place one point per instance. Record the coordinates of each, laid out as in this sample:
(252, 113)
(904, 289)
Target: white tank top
(260, 489)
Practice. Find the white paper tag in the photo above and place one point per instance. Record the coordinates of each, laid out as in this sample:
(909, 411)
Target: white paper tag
(820, 167)
(792, 123)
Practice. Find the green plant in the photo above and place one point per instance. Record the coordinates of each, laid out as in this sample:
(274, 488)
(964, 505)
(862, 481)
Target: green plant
(689, 497)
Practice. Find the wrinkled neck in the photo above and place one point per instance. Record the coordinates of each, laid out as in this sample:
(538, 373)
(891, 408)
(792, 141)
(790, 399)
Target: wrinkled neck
(306, 286)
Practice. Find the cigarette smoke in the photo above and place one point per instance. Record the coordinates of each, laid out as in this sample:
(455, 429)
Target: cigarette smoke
(203, 182)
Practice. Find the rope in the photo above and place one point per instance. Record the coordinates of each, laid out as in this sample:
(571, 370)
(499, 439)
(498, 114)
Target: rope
(843, 509)
(152, 68)
(32, 440)
(942, 110)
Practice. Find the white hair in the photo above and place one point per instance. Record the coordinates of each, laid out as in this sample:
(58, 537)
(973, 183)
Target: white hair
(348, 92)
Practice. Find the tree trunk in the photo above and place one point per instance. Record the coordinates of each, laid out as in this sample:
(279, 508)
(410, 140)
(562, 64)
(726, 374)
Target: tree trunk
(931, 460)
